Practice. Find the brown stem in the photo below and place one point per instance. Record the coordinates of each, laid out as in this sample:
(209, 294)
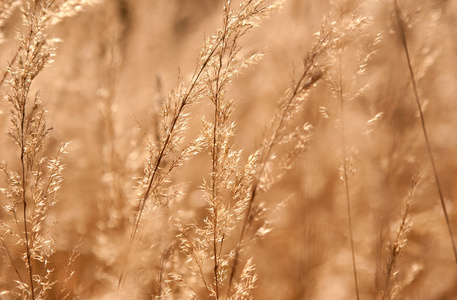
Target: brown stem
(346, 179)
(301, 85)
(24, 202)
(424, 129)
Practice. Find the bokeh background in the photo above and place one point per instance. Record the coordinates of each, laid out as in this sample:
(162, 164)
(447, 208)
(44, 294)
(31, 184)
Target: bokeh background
(119, 59)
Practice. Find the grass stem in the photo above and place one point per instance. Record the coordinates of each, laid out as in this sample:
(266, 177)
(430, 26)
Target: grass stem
(401, 29)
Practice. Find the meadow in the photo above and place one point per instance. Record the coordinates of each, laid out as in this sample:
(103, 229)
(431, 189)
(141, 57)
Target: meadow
(216, 149)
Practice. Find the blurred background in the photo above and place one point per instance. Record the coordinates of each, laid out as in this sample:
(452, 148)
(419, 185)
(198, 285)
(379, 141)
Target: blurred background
(119, 59)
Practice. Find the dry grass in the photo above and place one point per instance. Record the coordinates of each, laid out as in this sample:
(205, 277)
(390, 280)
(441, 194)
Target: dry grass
(249, 149)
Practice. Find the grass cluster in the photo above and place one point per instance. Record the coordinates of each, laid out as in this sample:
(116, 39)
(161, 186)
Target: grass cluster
(305, 150)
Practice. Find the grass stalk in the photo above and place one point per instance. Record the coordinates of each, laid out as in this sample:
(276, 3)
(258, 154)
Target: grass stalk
(26, 235)
(346, 177)
(391, 288)
(23, 135)
(215, 149)
(306, 80)
(404, 42)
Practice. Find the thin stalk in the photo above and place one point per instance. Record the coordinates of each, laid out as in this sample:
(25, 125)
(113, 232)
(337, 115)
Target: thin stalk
(215, 196)
(215, 156)
(164, 257)
(23, 137)
(23, 166)
(300, 86)
(265, 157)
(346, 179)
(424, 129)
(24, 174)
(24, 201)
(11, 260)
(214, 191)
(29, 263)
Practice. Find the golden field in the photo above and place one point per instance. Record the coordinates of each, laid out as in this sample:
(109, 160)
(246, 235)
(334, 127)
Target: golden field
(210, 149)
